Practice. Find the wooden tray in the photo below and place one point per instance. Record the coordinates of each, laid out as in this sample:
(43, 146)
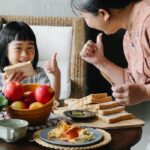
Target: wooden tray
(97, 123)
(106, 139)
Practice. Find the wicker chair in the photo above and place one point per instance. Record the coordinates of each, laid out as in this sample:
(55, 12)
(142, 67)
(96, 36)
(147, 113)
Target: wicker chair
(77, 65)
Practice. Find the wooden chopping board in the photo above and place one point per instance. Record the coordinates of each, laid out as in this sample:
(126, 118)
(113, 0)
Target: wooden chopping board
(97, 123)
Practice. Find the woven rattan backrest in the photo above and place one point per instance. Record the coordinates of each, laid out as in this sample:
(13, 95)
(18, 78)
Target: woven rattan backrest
(77, 65)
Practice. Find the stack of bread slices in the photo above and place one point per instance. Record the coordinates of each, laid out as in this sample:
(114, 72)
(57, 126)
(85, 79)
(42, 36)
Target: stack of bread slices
(107, 110)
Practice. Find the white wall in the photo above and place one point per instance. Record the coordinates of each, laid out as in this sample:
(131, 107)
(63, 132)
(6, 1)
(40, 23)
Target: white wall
(36, 7)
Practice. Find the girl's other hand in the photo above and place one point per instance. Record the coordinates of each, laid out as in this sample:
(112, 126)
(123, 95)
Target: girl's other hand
(51, 66)
(129, 94)
(15, 76)
(93, 52)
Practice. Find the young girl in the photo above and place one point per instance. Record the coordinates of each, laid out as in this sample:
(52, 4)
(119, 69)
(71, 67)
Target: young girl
(18, 44)
(132, 84)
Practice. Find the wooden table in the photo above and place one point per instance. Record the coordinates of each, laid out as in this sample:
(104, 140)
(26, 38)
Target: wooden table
(122, 139)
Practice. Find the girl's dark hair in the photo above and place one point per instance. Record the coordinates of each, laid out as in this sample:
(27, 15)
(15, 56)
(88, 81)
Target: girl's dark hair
(93, 6)
(16, 31)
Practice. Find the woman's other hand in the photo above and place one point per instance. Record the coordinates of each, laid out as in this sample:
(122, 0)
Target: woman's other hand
(51, 66)
(129, 94)
(93, 52)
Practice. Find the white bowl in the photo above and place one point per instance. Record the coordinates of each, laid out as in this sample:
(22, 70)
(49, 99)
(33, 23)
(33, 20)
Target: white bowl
(13, 129)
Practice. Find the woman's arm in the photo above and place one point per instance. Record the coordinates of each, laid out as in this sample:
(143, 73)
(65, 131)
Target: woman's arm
(93, 53)
(111, 72)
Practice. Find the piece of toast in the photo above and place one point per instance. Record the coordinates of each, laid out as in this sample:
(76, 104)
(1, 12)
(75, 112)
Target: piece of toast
(91, 100)
(70, 101)
(99, 95)
(25, 67)
(85, 102)
(104, 105)
(116, 117)
(110, 111)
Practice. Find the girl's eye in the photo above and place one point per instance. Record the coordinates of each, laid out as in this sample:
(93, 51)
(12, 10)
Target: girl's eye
(18, 48)
(30, 48)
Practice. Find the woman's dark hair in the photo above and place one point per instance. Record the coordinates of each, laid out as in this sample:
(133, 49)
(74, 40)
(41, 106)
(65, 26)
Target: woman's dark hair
(93, 6)
(16, 31)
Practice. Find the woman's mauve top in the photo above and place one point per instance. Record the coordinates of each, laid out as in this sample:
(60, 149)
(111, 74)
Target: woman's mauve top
(136, 45)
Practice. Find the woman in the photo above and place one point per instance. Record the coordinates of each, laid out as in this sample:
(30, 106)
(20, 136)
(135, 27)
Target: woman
(132, 83)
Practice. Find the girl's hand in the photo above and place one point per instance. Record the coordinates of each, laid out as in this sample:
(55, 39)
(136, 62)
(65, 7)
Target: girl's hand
(129, 94)
(51, 66)
(15, 76)
(93, 53)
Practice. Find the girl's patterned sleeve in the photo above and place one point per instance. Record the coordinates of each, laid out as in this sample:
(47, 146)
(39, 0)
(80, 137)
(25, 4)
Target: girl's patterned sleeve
(1, 83)
(42, 77)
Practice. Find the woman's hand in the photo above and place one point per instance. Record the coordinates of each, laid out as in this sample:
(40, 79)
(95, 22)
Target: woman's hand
(93, 53)
(51, 66)
(15, 76)
(129, 94)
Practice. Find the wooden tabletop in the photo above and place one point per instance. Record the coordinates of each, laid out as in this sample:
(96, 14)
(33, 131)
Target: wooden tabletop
(122, 139)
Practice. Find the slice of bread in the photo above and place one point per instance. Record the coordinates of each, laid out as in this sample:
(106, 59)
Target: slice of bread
(92, 100)
(70, 101)
(116, 117)
(99, 95)
(25, 67)
(105, 105)
(110, 111)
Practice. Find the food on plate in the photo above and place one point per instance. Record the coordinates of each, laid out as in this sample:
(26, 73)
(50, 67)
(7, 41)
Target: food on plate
(25, 67)
(13, 91)
(116, 117)
(70, 133)
(79, 114)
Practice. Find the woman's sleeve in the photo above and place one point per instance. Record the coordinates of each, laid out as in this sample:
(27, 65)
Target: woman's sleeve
(128, 76)
(146, 50)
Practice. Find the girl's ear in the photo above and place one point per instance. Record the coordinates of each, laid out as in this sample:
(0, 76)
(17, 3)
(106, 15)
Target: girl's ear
(105, 14)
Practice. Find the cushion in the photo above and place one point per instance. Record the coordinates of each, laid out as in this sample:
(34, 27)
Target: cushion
(51, 39)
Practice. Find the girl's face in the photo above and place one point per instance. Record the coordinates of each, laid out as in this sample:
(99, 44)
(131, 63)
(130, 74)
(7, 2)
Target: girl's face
(102, 21)
(20, 51)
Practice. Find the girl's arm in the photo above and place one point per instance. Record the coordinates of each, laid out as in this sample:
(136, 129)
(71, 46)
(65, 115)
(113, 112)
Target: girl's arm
(56, 85)
(52, 68)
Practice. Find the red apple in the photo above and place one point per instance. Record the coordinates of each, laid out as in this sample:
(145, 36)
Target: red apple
(43, 94)
(14, 91)
(29, 97)
(18, 105)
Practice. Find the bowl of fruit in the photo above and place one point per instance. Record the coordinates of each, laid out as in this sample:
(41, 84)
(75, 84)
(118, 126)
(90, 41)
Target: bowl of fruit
(31, 102)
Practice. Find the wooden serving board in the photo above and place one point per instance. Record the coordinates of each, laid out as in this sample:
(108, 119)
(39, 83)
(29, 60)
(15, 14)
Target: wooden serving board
(97, 123)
